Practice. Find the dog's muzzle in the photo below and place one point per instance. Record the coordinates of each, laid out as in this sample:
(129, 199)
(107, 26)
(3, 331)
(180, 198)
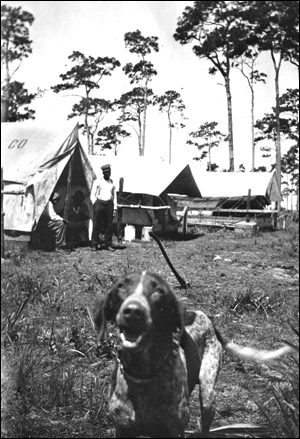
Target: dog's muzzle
(134, 322)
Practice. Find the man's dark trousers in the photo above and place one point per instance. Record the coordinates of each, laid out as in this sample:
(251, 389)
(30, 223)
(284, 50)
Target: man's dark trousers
(103, 212)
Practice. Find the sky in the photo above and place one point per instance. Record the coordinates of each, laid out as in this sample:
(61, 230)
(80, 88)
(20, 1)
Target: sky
(97, 28)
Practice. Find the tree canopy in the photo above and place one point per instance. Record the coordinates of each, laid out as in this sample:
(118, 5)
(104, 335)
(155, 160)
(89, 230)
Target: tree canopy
(219, 35)
(85, 76)
(212, 138)
(172, 104)
(266, 131)
(141, 74)
(15, 46)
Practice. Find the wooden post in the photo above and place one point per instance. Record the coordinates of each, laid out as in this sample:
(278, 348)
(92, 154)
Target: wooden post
(185, 219)
(119, 212)
(2, 216)
(248, 206)
(68, 194)
(275, 219)
(164, 221)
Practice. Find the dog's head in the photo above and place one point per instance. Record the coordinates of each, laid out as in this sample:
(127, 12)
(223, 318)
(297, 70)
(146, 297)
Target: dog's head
(140, 304)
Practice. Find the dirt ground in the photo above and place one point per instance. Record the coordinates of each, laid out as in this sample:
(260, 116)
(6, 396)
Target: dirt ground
(248, 285)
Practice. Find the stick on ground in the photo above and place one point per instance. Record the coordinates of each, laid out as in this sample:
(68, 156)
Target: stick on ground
(182, 282)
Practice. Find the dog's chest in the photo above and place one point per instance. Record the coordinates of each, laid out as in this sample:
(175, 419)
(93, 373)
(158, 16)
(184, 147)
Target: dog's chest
(161, 402)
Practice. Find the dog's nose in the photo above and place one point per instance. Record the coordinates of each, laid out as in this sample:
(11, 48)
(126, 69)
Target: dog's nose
(133, 312)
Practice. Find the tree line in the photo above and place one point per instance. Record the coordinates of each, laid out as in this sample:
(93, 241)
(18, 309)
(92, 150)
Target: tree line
(231, 35)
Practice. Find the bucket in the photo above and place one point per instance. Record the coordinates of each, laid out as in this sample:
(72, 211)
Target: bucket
(145, 233)
(129, 233)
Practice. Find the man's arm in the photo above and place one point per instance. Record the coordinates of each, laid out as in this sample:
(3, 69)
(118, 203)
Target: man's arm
(94, 191)
(52, 214)
(115, 197)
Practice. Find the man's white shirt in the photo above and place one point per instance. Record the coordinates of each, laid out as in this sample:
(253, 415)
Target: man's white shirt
(104, 190)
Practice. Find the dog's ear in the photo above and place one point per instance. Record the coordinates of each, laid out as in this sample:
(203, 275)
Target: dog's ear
(189, 317)
(179, 317)
(100, 320)
(167, 310)
(106, 313)
(109, 307)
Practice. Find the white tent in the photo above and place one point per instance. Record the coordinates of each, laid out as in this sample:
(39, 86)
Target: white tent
(35, 160)
(144, 176)
(237, 184)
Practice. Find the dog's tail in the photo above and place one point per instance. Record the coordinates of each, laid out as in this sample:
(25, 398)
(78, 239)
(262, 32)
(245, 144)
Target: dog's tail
(252, 354)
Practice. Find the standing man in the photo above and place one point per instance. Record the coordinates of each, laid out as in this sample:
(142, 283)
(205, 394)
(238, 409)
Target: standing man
(104, 200)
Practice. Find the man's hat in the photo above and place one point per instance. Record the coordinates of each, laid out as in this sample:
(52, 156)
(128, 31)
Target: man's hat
(105, 168)
(79, 195)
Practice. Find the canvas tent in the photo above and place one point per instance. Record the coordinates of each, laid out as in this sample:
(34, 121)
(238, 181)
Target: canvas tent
(230, 189)
(145, 176)
(35, 160)
(225, 200)
(146, 182)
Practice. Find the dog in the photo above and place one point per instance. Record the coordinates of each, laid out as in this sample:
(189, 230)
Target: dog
(164, 352)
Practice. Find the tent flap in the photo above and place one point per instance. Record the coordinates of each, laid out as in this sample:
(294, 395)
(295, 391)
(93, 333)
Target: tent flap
(34, 159)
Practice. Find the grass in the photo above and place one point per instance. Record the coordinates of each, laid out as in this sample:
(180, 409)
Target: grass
(55, 374)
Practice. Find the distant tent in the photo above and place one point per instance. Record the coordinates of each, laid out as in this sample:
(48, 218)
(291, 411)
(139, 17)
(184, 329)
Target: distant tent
(35, 160)
(230, 189)
(145, 176)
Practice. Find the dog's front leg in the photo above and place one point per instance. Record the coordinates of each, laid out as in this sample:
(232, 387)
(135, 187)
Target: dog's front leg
(208, 376)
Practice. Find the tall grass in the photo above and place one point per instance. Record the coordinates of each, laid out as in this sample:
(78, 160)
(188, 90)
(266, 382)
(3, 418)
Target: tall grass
(50, 361)
(53, 370)
(282, 410)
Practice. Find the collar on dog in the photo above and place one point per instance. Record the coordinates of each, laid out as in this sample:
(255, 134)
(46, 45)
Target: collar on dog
(164, 368)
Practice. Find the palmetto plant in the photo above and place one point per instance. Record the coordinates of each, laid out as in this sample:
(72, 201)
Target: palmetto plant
(282, 411)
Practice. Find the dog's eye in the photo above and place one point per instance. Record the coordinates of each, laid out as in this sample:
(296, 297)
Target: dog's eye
(157, 295)
(122, 290)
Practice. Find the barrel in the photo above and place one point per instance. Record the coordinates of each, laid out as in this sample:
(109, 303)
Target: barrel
(145, 233)
(129, 233)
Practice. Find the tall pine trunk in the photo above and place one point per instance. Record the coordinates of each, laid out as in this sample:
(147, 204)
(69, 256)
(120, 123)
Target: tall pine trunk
(277, 112)
(142, 150)
(170, 139)
(5, 99)
(140, 136)
(252, 129)
(230, 124)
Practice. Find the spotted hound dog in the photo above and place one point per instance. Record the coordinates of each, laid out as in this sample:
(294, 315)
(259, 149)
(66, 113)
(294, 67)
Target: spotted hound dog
(164, 351)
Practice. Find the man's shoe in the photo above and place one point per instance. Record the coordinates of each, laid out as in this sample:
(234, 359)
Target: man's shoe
(109, 248)
(64, 249)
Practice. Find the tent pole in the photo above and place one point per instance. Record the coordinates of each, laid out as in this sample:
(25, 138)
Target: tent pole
(119, 211)
(185, 220)
(248, 206)
(68, 194)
